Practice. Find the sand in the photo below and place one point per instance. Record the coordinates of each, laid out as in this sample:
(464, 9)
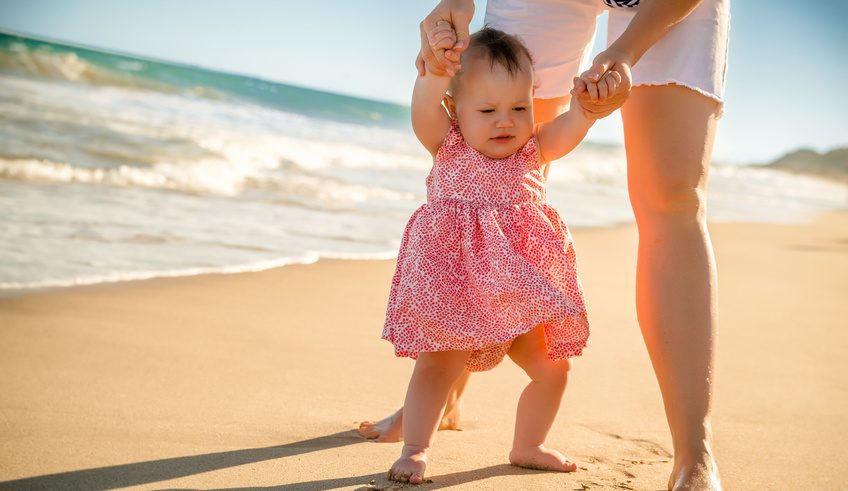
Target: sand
(259, 380)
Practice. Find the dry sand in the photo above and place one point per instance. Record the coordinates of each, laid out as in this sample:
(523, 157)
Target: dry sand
(258, 380)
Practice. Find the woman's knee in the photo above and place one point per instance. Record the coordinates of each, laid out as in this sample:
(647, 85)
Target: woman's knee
(669, 202)
(669, 132)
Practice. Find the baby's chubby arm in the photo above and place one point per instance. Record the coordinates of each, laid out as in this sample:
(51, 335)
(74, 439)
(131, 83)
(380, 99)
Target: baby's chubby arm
(566, 131)
(563, 133)
(430, 120)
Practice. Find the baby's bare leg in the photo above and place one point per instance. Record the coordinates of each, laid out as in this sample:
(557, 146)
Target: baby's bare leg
(432, 378)
(538, 404)
(390, 428)
(453, 408)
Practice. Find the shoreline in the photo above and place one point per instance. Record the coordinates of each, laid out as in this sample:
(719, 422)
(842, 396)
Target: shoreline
(258, 267)
(260, 379)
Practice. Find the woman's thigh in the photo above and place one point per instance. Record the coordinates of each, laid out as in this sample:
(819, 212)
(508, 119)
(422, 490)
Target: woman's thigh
(693, 53)
(668, 135)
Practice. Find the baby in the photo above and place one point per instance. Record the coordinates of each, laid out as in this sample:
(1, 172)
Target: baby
(486, 267)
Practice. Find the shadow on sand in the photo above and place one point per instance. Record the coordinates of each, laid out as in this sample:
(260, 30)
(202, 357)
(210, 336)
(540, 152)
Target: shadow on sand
(119, 476)
(141, 473)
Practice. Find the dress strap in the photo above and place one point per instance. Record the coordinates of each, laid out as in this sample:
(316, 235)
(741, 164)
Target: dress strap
(530, 151)
(452, 140)
(454, 136)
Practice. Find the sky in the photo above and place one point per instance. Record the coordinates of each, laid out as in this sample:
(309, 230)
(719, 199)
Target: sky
(786, 81)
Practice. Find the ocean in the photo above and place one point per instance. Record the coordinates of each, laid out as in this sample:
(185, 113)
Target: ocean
(115, 167)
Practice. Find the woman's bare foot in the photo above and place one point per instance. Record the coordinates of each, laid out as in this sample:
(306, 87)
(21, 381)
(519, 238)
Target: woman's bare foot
(390, 428)
(409, 467)
(541, 458)
(695, 476)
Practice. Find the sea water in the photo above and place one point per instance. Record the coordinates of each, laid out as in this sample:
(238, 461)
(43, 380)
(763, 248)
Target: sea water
(114, 167)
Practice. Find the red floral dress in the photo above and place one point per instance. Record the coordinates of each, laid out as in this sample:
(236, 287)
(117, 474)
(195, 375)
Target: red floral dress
(485, 260)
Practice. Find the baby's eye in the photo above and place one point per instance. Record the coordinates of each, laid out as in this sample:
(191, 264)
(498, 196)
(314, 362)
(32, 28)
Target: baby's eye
(487, 111)
(519, 108)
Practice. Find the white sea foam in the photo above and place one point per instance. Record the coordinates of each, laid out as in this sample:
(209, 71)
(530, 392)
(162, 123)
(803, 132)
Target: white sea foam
(114, 183)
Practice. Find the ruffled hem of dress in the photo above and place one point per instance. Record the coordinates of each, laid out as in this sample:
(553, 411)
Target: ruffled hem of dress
(560, 351)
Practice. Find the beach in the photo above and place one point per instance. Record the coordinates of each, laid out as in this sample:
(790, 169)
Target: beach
(259, 380)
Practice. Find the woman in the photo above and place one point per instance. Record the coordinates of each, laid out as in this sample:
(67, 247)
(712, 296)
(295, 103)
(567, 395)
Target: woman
(677, 51)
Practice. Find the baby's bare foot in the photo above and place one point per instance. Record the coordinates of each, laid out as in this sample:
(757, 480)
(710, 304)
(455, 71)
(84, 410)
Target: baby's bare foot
(388, 429)
(409, 467)
(695, 477)
(450, 420)
(541, 458)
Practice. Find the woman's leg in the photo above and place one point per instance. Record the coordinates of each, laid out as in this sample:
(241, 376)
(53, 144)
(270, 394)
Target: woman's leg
(538, 404)
(669, 132)
(432, 378)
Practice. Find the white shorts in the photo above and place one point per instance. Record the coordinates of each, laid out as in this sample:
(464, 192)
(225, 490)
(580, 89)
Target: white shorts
(560, 34)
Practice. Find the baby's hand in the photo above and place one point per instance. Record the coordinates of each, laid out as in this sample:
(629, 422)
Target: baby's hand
(442, 38)
(599, 99)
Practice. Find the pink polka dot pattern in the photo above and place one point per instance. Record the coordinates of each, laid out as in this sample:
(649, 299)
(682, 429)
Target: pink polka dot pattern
(484, 261)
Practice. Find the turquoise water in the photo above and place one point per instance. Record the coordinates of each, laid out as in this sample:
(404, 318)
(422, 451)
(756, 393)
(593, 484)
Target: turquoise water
(100, 67)
(114, 167)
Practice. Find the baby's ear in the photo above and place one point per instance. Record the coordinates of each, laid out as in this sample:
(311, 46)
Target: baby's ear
(450, 104)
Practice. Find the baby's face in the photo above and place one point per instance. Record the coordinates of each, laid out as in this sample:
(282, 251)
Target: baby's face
(494, 108)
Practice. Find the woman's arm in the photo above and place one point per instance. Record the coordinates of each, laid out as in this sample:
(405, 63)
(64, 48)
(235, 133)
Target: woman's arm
(652, 21)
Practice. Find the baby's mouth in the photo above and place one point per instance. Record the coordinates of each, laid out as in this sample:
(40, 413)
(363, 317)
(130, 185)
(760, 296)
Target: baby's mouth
(503, 138)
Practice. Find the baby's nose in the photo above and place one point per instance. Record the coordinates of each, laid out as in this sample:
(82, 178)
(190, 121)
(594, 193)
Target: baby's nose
(504, 122)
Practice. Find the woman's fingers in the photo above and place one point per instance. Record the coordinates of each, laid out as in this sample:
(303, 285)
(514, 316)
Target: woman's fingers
(602, 88)
(616, 76)
(433, 58)
(457, 15)
(461, 13)
(611, 85)
(428, 57)
(442, 40)
(439, 32)
(608, 84)
(592, 89)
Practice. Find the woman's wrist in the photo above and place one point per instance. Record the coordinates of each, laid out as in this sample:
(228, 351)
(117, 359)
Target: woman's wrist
(619, 53)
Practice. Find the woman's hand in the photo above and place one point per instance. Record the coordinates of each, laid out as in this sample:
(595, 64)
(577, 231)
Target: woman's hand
(441, 38)
(605, 86)
(434, 56)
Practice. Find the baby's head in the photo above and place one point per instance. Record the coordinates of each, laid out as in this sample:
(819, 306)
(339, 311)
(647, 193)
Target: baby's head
(492, 96)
